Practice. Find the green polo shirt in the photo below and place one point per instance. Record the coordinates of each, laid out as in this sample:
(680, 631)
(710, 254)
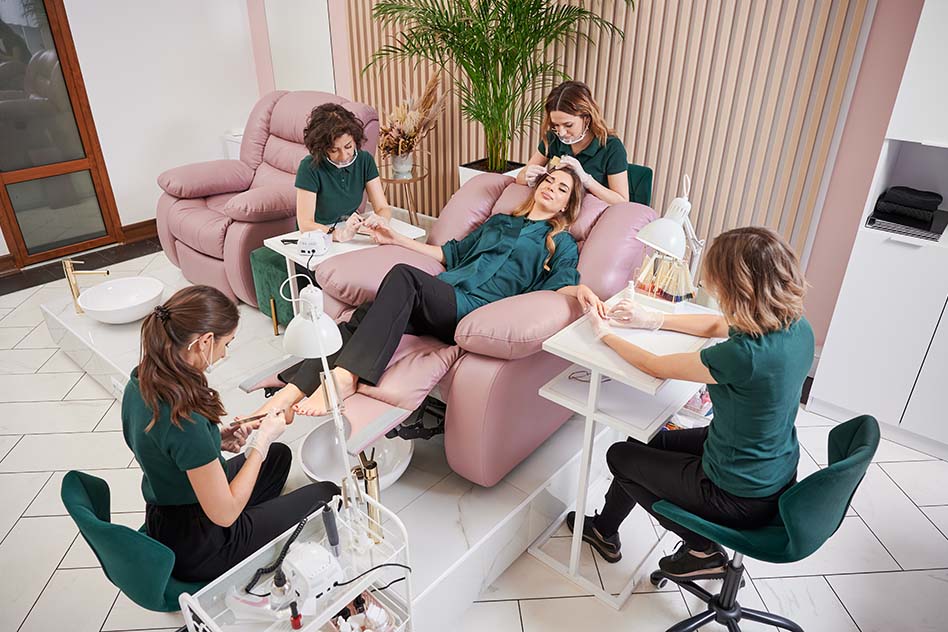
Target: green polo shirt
(752, 448)
(600, 161)
(339, 192)
(504, 257)
(166, 452)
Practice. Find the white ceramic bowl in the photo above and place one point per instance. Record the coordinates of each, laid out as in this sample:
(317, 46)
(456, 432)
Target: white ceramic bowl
(319, 456)
(124, 300)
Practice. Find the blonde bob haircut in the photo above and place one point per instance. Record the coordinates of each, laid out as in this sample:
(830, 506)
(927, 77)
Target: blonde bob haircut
(575, 99)
(756, 278)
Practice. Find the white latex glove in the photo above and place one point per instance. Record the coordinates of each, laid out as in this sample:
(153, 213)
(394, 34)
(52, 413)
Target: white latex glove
(572, 163)
(270, 429)
(627, 313)
(600, 325)
(348, 230)
(533, 174)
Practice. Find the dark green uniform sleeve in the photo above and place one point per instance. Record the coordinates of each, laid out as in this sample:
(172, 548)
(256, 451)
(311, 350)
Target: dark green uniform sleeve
(306, 176)
(455, 251)
(729, 362)
(371, 170)
(616, 160)
(563, 272)
(193, 445)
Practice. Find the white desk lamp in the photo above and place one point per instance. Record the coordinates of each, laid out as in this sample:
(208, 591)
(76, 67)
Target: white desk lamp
(673, 233)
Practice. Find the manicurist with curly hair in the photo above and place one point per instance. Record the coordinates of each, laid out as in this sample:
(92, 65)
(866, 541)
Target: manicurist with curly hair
(334, 178)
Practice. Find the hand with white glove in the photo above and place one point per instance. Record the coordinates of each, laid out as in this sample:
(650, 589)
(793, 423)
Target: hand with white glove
(374, 220)
(572, 163)
(533, 174)
(348, 230)
(627, 313)
(600, 325)
(269, 430)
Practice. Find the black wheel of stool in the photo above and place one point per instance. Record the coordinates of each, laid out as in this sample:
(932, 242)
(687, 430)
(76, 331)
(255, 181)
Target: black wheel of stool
(658, 579)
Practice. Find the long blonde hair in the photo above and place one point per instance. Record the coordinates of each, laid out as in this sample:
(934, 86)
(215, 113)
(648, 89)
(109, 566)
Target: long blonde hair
(574, 98)
(757, 279)
(560, 221)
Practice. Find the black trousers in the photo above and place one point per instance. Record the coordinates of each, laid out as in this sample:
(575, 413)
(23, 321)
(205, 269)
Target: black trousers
(409, 301)
(204, 551)
(669, 468)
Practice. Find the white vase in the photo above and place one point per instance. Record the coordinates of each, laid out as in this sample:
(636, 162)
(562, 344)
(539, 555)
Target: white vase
(402, 165)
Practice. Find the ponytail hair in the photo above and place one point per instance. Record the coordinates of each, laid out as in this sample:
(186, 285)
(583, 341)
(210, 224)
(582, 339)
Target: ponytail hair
(165, 376)
(560, 221)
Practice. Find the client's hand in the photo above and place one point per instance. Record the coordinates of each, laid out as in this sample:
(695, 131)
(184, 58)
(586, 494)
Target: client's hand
(383, 234)
(533, 173)
(348, 230)
(626, 313)
(589, 301)
(234, 437)
(600, 326)
(374, 220)
(270, 429)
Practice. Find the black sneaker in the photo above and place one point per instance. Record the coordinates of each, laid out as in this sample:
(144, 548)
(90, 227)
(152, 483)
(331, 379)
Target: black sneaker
(684, 564)
(608, 548)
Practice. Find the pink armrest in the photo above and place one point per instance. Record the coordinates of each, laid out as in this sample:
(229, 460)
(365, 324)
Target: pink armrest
(201, 179)
(516, 327)
(354, 277)
(262, 204)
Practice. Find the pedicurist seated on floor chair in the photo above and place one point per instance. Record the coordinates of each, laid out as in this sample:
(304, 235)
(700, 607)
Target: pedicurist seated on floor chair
(733, 472)
(212, 513)
(505, 256)
(332, 182)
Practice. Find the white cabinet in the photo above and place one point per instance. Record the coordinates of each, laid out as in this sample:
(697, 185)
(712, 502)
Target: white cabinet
(927, 412)
(919, 113)
(885, 318)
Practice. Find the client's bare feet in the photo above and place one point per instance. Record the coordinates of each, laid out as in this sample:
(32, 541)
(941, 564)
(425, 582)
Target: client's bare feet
(284, 399)
(315, 404)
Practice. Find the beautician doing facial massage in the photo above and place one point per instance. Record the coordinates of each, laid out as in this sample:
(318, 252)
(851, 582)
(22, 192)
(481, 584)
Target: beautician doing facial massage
(210, 511)
(734, 471)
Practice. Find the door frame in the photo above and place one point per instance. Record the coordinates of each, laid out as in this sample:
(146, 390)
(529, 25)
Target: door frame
(93, 162)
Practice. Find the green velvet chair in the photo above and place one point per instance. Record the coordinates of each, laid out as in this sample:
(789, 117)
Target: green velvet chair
(640, 184)
(138, 565)
(269, 272)
(810, 512)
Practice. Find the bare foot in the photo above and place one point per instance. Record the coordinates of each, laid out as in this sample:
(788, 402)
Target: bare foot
(284, 399)
(315, 404)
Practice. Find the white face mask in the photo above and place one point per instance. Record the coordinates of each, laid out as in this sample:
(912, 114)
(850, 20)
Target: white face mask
(339, 165)
(566, 140)
(211, 366)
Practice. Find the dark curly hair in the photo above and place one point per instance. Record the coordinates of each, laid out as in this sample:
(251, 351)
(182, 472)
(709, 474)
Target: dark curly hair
(328, 122)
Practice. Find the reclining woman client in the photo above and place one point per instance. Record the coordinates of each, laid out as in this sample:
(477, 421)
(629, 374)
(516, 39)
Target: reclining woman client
(507, 255)
(212, 513)
(734, 471)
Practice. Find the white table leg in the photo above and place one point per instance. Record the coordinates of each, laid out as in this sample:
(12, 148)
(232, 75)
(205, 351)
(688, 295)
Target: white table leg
(294, 284)
(584, 466)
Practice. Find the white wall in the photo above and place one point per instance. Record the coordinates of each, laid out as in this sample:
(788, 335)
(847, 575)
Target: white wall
(300, 47)
(165, 81)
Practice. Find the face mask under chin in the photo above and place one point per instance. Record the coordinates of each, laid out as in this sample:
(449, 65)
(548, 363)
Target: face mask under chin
(566, 140)
(343, 165)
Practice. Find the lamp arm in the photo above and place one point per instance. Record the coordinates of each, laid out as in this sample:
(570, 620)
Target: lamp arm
(334, 403)
(697, 245)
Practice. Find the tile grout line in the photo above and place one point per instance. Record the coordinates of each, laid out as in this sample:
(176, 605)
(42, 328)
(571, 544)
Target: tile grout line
(45, 586)
(102, 418)
(27, 508)
(841, 602)
(12, 447)
(111, 608)
(899, 487)
(520, 613)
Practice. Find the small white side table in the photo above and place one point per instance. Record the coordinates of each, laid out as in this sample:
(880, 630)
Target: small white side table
(606, 389)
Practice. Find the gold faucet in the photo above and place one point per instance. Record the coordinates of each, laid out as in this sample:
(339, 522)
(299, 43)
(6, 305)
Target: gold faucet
(71, 275)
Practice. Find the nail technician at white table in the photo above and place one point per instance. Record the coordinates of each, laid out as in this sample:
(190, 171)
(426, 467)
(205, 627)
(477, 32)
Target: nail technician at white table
(211, 512)
(734, 471)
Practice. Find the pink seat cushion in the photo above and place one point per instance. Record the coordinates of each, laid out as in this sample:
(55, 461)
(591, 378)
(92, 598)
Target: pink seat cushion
(354, 277)
(201, 228)
(516, 327)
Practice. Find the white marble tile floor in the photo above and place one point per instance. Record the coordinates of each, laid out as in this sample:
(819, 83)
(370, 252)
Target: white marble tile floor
(885, 569)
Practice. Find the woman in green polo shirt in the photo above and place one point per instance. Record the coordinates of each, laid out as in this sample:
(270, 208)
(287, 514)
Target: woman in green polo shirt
(578, 135)
(530, 249)
(211, 512)
(335, 177)
(734, 471)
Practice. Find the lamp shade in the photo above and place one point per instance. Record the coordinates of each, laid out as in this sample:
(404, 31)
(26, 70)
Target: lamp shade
(665, 235)
(311, 334)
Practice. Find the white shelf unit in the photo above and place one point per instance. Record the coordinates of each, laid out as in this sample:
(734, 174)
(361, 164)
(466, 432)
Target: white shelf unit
(886, 351)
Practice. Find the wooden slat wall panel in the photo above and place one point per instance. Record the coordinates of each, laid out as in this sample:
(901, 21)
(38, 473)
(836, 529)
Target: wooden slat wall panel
(743, 95)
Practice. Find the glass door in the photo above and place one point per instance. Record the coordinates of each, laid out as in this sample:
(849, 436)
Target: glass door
(55, 198)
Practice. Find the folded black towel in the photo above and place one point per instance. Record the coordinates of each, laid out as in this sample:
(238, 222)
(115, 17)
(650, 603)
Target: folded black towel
(907, 196)
(907, 211)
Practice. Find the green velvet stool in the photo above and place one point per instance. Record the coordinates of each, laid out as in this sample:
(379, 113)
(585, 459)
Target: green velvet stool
(810, 512)
(640, 184)
(269, 273)
(138, 565)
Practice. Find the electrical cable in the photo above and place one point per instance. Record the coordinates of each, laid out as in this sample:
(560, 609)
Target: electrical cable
(374, 568)
(260, 572)
(388, 585)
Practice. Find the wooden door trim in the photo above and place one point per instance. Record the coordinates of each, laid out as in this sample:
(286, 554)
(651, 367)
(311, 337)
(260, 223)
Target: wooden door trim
(46, 171)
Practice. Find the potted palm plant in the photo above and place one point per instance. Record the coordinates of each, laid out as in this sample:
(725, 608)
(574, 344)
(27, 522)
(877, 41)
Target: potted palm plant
(494, 50)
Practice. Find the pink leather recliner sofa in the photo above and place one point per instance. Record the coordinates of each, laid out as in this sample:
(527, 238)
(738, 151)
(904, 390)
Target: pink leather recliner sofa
(213, 214)
(490, 378)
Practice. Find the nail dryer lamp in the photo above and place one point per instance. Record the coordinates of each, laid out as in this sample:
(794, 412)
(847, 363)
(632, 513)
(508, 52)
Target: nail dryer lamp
(674, 233)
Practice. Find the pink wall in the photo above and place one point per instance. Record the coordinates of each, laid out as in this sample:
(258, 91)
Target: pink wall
(260, 43)
(887, 49)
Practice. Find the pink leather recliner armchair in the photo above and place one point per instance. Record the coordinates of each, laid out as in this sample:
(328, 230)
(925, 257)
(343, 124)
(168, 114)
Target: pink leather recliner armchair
(490, 378)
(213, 214)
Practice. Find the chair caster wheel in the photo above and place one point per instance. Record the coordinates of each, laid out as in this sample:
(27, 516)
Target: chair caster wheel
(658, 579)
